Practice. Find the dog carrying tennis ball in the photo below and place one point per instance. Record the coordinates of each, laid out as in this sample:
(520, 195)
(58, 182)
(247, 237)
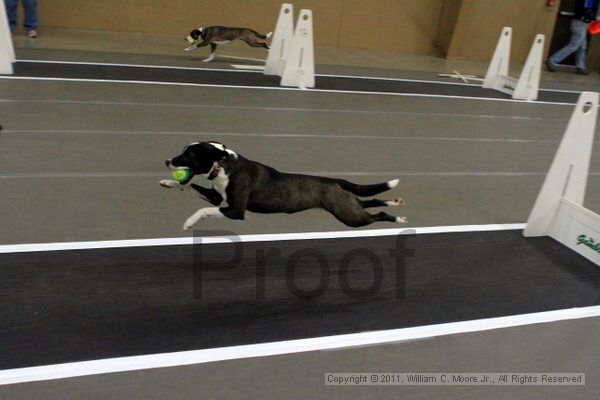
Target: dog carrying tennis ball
(190, 40)
(181, 175)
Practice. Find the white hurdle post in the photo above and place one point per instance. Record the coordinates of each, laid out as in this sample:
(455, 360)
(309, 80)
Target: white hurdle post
(527, 86)
(529, 80)
(7, 51)
(500, 60)
(558, 211)
(282, 41)
(299, 69)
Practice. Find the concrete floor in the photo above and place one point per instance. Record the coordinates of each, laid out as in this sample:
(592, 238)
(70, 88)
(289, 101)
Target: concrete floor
(556, 347)
(117, 136)
(459, 161)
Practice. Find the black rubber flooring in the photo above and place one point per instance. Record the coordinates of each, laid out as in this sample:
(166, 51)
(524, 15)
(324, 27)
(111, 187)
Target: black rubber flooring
(237, 78)
(64, 306)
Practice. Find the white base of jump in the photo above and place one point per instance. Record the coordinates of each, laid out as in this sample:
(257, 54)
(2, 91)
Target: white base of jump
(527, 86)
(558, 211)
(7, 51)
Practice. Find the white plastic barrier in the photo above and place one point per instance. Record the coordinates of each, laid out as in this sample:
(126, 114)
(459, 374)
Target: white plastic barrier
(7, 51)
(527, 86)
(282, 41)
(299, 68)
(558, 211)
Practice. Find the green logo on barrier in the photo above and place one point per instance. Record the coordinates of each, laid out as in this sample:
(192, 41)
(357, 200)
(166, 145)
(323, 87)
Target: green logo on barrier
(589, 242)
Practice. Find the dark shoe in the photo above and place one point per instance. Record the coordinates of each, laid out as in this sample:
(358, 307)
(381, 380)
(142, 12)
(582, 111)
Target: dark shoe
(550, 66)
(582, 71)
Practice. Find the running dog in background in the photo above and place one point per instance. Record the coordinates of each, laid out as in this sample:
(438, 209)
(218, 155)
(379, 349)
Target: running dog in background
(240, 184)
(215, 35)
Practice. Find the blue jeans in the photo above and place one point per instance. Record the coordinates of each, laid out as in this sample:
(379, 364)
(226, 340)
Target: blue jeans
(578, 43)
(30, 13)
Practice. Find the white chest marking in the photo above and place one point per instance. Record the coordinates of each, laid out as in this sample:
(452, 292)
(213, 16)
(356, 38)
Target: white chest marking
(220, 185)
(221, 41)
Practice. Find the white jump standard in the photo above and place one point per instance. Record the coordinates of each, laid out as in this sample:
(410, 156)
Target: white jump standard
(281, 43)
(7, 51)
(527, 86)
(291, 55)
(558, 211)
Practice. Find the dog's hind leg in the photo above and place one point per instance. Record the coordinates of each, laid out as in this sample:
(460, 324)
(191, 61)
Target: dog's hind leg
(366, 190)
(348, 210)
(255, 43)
(213, 53)
(380, 203)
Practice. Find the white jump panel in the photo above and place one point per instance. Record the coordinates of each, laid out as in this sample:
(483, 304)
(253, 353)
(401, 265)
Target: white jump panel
(7, 51)
(299, 69)
(558, 210)
(578, 228)
(527, 86)
(501, 59)
(282, 41)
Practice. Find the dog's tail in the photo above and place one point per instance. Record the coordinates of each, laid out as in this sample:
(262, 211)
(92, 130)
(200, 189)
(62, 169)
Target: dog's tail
(367, 190)
(261, 36)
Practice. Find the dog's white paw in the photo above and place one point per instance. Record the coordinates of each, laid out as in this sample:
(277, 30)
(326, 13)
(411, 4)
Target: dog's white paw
(395, 202)
(189, 224)
(401, 220)
(168, 183)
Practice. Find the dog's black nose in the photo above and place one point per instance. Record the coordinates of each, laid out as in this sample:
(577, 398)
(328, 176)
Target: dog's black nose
(168, 163)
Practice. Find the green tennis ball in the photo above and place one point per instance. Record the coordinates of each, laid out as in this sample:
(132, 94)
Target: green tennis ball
(190, 40)
(181, 175)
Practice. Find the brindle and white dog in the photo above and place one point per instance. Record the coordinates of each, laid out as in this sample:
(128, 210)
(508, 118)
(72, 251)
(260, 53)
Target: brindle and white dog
(215, 35)
(241, 185)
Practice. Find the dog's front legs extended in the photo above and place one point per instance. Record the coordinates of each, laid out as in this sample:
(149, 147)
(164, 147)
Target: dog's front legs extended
(207, 212)
(210, 195)
(196, 46)
(236, 210)
(171, 184)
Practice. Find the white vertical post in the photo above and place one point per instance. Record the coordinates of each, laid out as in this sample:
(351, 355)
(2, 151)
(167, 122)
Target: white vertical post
(567, 177)
(300, 67)
(7, 51)
(501, 59)
(529, 81)
(282, 41)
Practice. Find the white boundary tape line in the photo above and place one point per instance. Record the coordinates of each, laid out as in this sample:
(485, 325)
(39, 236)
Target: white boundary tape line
(378, 78)
(241, 58)
(268, 237)
(249, 67)
(312, 90)
(164, 360)
(281, 109)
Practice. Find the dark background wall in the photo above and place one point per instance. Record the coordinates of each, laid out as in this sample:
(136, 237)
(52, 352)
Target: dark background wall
(457, 29)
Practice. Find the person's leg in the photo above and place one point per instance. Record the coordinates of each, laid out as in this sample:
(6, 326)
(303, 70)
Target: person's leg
(11, 11)
(30, 8)
(581, 54)
(578, 36)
